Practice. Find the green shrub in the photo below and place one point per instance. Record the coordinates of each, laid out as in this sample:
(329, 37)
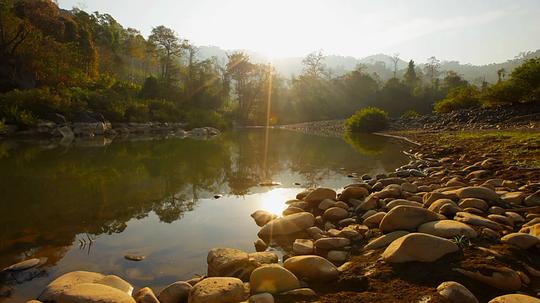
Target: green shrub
(369, 119)
(200, 118)
(523, 86)
(2, 126)
(459, 98)
(137, 112)
(410, 114)
(163, 111)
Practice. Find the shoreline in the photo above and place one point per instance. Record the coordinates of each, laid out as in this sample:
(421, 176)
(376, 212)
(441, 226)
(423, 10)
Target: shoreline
(354, 246)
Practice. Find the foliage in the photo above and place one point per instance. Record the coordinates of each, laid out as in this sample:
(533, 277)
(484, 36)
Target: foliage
(523, 86)
(201, 118)
(462, 241)
(54, 61)
(370, 119)
(459, 98)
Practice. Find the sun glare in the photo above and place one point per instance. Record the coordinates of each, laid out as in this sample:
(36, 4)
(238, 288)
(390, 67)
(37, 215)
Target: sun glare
(274, 200)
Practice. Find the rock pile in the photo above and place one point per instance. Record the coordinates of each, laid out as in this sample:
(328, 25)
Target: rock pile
(88, 125)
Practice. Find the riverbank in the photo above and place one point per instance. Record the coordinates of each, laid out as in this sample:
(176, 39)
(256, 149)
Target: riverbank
(465, 211)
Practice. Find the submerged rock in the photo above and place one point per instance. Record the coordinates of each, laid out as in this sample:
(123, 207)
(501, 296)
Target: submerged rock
(24, 265)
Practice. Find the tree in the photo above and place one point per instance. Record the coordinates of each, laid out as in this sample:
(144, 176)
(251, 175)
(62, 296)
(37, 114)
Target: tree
(410, 77)
(501, 74)
(453, 81)
(249, 80)
(169, 46)
(314, 64)
(432, 68)
(395, 59)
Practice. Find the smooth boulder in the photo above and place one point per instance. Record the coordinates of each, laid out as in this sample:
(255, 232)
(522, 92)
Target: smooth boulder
(262, 217)
(175, 293)
(521, 240)
(515, 298)
(319, 194)
(406, 218)
(217, 290)
(226, 262)
(312, 268)
(385, 240)
(287, 225)
(418, 247)
(93, 293)
(65, 282)
(447, 229)
(456, 293)
(272, 279)
(353, 192)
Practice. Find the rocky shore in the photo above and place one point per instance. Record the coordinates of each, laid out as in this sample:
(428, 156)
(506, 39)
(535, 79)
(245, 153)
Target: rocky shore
(501, 118)
(447, 227)
(88, 125)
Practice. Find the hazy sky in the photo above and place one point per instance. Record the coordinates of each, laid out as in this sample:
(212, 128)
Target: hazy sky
(471, 31)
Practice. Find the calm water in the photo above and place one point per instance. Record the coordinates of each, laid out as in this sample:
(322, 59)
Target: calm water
(156, 198)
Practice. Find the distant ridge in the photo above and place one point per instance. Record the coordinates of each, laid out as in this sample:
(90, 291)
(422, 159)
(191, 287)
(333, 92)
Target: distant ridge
(381, 64)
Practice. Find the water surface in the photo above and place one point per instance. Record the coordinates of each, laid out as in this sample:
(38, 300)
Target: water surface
(156, 198)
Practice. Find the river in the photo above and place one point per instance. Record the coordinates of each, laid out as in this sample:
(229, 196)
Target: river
(85, 206)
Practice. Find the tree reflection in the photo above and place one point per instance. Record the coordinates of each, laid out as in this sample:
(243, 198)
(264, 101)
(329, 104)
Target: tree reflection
(52, 194)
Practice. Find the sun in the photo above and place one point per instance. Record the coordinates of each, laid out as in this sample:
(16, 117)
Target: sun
(274, 200)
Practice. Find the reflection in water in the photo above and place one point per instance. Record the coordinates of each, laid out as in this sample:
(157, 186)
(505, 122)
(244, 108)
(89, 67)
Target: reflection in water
(274, 200)
(154, 197)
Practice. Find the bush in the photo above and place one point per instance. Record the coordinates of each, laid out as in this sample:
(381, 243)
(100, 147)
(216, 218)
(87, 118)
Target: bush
(137, 112)
(459, 98)
(523, 86)
(369, 119)
(201, 118)
(163, 111)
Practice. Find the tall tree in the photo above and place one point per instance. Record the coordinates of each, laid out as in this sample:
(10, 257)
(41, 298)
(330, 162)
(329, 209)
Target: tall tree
(170, 47)
(395, 60)
(432, 68)
(249, 80)
(501, 73)
(410, 77)
(314, 65)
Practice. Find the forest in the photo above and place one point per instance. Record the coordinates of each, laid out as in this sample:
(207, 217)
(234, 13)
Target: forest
(55, 62)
